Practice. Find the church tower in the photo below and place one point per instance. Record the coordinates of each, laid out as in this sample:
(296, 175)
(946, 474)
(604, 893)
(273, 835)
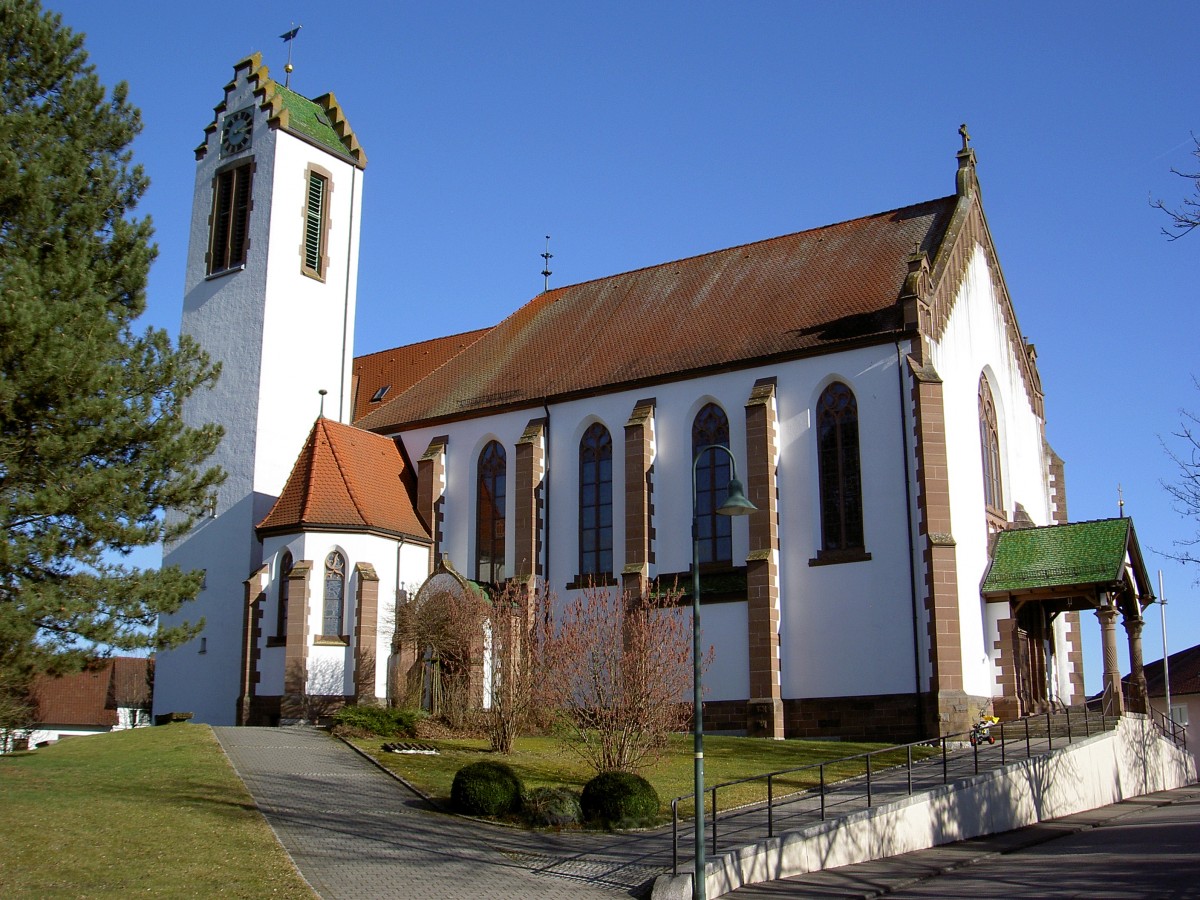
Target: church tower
(269, 292)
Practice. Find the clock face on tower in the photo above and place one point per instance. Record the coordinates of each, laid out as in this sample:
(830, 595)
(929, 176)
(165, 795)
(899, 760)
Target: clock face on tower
(235, 133)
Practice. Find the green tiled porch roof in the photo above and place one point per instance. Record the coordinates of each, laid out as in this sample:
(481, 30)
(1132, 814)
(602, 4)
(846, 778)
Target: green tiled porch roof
(1058, 556)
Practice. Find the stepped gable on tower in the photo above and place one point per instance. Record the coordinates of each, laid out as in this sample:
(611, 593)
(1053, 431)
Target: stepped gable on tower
(349, 480)
(791, 296)
(319, 121)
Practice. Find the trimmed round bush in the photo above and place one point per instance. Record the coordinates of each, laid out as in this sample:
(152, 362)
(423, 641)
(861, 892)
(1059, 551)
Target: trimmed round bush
(553, 807)
(486, 789)
(620, 800)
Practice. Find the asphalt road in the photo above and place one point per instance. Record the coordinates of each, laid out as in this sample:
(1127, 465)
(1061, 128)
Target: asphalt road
(1145, 847)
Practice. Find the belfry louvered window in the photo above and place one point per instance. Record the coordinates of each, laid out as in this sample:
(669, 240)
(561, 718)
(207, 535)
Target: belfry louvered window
(229, 226)
(316, 219)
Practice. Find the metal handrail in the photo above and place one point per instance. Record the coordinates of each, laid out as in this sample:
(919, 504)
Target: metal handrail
(1064, 724)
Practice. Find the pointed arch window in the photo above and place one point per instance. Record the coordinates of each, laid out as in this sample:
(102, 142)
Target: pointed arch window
(335, 594)
(989, 442)
(595, 502)
(714, 533)
(489, 521)
(281, 611)
(839, 470)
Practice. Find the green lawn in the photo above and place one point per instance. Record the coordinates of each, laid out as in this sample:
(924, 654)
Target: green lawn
(541, 761)
(155, 810)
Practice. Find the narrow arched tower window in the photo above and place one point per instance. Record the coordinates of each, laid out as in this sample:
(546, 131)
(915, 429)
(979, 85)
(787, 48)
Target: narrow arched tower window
(489, 520)
(335, 594)
(713, 532)
(595, 502)
(840, 474)
(989, 442)
(229, 223)
(281, 613)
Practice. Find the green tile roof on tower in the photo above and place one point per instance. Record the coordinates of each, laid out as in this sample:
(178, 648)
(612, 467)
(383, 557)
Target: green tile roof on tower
(319, 121)
(1051, 556)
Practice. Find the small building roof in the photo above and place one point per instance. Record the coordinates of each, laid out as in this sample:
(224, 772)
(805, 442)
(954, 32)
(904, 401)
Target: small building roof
(1058, 556)
(91, 697)
(1185, 674)
(346, 479)
(789, 296)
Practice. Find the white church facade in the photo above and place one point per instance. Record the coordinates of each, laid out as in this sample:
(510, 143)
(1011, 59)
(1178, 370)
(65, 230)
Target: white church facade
(869, 378)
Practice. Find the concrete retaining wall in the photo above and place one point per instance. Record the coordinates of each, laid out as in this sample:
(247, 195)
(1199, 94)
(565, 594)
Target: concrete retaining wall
(1128, 762)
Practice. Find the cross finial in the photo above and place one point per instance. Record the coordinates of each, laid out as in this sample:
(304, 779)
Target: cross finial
(1120, 501)
(966, 136)
(547, 256)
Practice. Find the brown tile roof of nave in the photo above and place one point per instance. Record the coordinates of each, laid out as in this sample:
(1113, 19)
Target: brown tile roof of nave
(786, 296)
(91, 697)
(400, 368)
(347, 479)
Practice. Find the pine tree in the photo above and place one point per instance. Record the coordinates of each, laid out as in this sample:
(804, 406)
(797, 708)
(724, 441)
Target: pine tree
(92, 445)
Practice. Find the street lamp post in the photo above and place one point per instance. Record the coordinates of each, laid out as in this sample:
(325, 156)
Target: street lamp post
(735, 504)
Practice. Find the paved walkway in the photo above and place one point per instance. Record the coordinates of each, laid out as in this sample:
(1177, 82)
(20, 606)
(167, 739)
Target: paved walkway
(355, 832)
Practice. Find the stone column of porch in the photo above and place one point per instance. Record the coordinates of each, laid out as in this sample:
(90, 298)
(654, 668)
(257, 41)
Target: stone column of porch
(1137, 675)
(1114, 704)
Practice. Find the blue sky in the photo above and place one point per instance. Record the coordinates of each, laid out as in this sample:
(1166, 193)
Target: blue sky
(636, 133)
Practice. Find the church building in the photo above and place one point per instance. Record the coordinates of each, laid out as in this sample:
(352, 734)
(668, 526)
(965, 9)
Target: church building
(910, 563)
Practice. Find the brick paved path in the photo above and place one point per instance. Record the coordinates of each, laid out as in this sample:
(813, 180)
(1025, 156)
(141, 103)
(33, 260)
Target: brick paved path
(354, 832)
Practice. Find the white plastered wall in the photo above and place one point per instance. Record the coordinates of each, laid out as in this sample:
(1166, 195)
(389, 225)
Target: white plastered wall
(846, 629)
(398, 565)
(977, 341)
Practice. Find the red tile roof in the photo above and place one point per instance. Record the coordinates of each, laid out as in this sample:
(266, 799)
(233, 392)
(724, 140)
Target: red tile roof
(347, 479)
(91, 697)
(400, 368)
(789, 296)
(1185, 674)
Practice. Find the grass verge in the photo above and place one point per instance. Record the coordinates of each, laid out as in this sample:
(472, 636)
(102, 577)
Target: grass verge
(542, 762)
(153, 810)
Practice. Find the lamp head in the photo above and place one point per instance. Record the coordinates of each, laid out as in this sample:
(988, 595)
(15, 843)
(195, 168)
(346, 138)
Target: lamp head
(736, 503)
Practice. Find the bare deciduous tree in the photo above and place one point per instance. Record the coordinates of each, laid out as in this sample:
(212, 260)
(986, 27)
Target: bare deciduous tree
(1186, 490)
(446, 629)
(1186, 215)
(618, 669)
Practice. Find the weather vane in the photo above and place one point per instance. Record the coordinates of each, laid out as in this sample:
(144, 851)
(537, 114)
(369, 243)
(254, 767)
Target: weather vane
(287, 39)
